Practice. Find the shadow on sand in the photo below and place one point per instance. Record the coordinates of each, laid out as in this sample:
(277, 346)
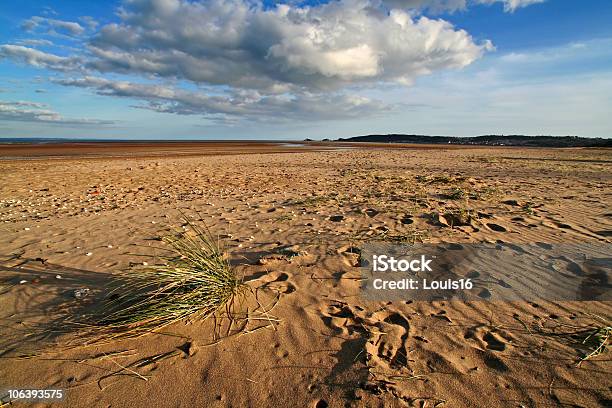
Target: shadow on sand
(40, 302)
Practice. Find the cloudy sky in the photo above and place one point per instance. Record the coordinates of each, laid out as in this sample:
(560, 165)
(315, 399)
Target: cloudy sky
(247, 69)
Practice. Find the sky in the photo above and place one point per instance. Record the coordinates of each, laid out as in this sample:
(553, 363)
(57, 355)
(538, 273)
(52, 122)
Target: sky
(251, 69)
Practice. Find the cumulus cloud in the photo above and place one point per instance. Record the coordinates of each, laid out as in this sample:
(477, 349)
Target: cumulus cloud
(39, 58)
(52, 26)
(25, 111)
(241, 44)
(248, 104)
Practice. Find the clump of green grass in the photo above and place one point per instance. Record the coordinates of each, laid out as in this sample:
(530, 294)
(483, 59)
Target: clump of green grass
(195, 280)
(597, 341)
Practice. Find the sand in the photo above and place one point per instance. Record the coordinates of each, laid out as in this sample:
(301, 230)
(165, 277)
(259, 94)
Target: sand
(291, 220)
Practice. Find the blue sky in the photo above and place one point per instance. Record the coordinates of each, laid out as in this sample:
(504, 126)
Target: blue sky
(244, 70)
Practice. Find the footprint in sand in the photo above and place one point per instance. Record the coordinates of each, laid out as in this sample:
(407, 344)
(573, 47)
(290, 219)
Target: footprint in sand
(387, 346)
(277, 281)
(488, 340)
(342, 318)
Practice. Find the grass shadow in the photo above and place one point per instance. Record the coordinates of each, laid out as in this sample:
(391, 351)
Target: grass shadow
(40, 301)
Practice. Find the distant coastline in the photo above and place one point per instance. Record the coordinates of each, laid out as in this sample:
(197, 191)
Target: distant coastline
(486, 140)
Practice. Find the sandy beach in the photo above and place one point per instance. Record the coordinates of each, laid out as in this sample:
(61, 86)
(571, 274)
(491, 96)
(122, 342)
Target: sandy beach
(292, 218)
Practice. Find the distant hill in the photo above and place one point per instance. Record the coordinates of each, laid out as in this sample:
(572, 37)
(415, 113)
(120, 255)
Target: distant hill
(487, 140)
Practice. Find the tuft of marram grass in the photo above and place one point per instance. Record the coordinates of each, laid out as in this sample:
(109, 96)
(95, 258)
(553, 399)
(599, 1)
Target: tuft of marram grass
(195, 280)
(597, 340)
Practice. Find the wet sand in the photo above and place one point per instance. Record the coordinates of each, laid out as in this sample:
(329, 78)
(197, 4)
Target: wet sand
(144, 149)
(190, 148)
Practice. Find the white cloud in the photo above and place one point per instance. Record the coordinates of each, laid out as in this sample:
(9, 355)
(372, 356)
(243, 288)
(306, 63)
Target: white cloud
(34, 112)
(53, 26)
(240, 44)
(38, 58)
(238, 104)
(35, 42)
